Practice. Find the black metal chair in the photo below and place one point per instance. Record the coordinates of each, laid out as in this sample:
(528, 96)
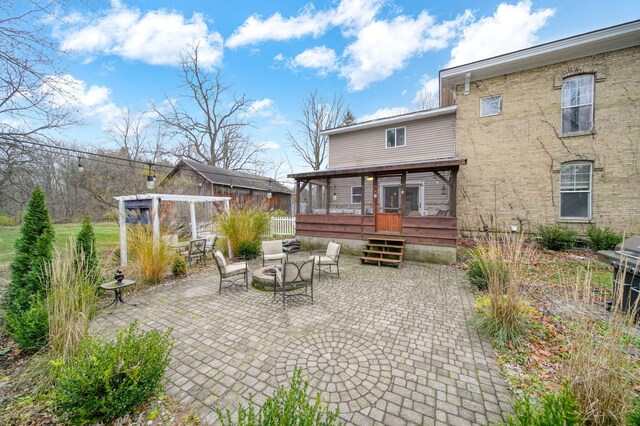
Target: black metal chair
(327, 259)
(239, 270)
(197, 250)
(293, 277)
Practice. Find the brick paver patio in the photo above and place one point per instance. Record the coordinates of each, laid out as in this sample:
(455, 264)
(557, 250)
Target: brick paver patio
(385, 345)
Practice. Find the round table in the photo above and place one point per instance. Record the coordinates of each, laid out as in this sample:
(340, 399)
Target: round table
(262, 279)
(117, 287)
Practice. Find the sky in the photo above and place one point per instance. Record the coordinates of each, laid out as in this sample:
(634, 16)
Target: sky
(379, 54)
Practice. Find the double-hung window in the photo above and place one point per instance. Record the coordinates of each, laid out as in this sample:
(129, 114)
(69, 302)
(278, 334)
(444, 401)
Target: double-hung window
(396, 137)
(356, 194)
(491, 105)
(575, 190)
(577, 104)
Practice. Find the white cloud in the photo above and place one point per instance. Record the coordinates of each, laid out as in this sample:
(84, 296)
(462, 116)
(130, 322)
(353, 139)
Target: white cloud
(321, 58)
(511, 27)
(279, 57)
(383, 47)
(428, 94)
(269, 145)
(383, 113)
(67, 91)
(262, 107)
(156, 37)
(309, 22)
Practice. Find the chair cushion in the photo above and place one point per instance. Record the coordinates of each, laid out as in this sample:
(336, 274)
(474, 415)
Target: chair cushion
(236, 268)
(220, 260)
(271, 247)
(275, 256)
(333, 249)
(323, 260)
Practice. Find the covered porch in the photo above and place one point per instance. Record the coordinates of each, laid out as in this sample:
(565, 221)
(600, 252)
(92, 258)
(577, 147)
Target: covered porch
(415, 201)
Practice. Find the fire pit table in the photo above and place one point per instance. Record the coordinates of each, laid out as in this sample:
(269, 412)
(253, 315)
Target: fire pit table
(263, 277)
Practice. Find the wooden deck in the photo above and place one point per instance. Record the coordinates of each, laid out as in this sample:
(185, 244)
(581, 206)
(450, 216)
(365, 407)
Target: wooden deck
(426, 230)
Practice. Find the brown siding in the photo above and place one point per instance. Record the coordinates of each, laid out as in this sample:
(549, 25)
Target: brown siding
(426, 139)
(416, 230)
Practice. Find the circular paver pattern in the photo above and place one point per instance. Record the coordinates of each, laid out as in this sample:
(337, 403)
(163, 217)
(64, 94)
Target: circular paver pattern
(347, 368)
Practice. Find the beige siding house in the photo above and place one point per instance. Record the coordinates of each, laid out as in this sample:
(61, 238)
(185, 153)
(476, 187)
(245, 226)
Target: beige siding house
(551, 134)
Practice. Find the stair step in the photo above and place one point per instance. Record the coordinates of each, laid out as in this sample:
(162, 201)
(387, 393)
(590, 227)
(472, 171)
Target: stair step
(380, 260)
(392, 253)
(384, 245)
(397, 240)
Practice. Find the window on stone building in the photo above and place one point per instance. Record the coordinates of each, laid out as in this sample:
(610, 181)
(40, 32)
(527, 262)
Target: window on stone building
(356, 194)
(575, 190)
(491, 105)
(395, 137)
(577, 104)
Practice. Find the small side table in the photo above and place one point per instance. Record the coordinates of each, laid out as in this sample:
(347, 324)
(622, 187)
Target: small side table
(117, 288)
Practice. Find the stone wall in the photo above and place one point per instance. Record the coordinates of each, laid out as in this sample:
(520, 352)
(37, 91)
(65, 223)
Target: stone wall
(513, 171)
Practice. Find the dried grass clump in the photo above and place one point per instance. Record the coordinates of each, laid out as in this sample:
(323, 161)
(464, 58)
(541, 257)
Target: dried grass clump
(71, 300)
(600, 369)
(503, 313)
(150, 259)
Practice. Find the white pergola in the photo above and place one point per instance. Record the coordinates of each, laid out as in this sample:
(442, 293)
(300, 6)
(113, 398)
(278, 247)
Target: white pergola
(155, 221)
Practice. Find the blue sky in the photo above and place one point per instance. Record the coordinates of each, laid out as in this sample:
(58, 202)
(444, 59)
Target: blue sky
(378, 53)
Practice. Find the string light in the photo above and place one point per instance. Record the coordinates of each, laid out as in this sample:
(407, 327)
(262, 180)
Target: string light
(80, 168)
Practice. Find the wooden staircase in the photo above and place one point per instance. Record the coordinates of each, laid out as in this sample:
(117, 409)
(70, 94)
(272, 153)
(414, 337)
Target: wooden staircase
(383, 250)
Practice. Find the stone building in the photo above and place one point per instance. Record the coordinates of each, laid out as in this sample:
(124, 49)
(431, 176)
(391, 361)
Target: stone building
(551, 134)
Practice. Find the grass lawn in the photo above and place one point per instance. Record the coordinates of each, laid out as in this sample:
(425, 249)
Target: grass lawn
(107, 237)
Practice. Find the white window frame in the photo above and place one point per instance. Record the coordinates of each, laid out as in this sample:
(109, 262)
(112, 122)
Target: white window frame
(589, 191)
(499, 105)
(361, 194)
(592, 103)
(395, 138)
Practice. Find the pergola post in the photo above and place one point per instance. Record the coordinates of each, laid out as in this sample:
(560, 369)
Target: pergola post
(155, 207)
(123, 233)
(194, 224)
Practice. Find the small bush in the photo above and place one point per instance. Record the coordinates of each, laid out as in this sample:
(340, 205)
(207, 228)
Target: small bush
(29, 328)
(558, 238)
(106, 380)
(602, 239)
(558, 408)
(179, 266)
(249, 249)
(285, 407)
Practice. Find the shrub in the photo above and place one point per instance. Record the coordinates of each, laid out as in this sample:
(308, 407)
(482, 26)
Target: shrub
(6, 220)
(150, 259)
(30, 327)
(179, 266)
(34, 247)
(503, 313)
(558, 238)
(249, 249)
(71, 300)
(86, 248)
(285, 407)
(242, 226)
(558, 408)
(602, 239)
(106, 380)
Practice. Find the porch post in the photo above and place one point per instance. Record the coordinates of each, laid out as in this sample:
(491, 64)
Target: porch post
(375, 202)
(123, 233)
(310, 201)
(329, 195)
(453, 190)
(297, 197)
(403, 193)
(362, 179)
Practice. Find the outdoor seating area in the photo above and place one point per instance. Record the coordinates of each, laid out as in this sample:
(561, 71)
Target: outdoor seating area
(379, 344)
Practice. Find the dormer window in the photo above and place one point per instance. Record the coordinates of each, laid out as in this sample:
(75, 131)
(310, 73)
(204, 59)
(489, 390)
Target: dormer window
(577, 104)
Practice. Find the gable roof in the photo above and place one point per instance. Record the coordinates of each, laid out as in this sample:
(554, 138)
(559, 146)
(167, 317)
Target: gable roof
(591, 43)
(225, 177)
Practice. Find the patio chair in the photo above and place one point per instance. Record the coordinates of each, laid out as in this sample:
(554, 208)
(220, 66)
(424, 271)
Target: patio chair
(272, 250)
(293, 277)
(326, 260)
(231, 272)
(197, 250)
(211, 244)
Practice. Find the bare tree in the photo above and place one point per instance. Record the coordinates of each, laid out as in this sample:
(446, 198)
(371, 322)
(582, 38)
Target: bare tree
(317, 115)
(138, 135)
(426, 99)
(208, 120)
